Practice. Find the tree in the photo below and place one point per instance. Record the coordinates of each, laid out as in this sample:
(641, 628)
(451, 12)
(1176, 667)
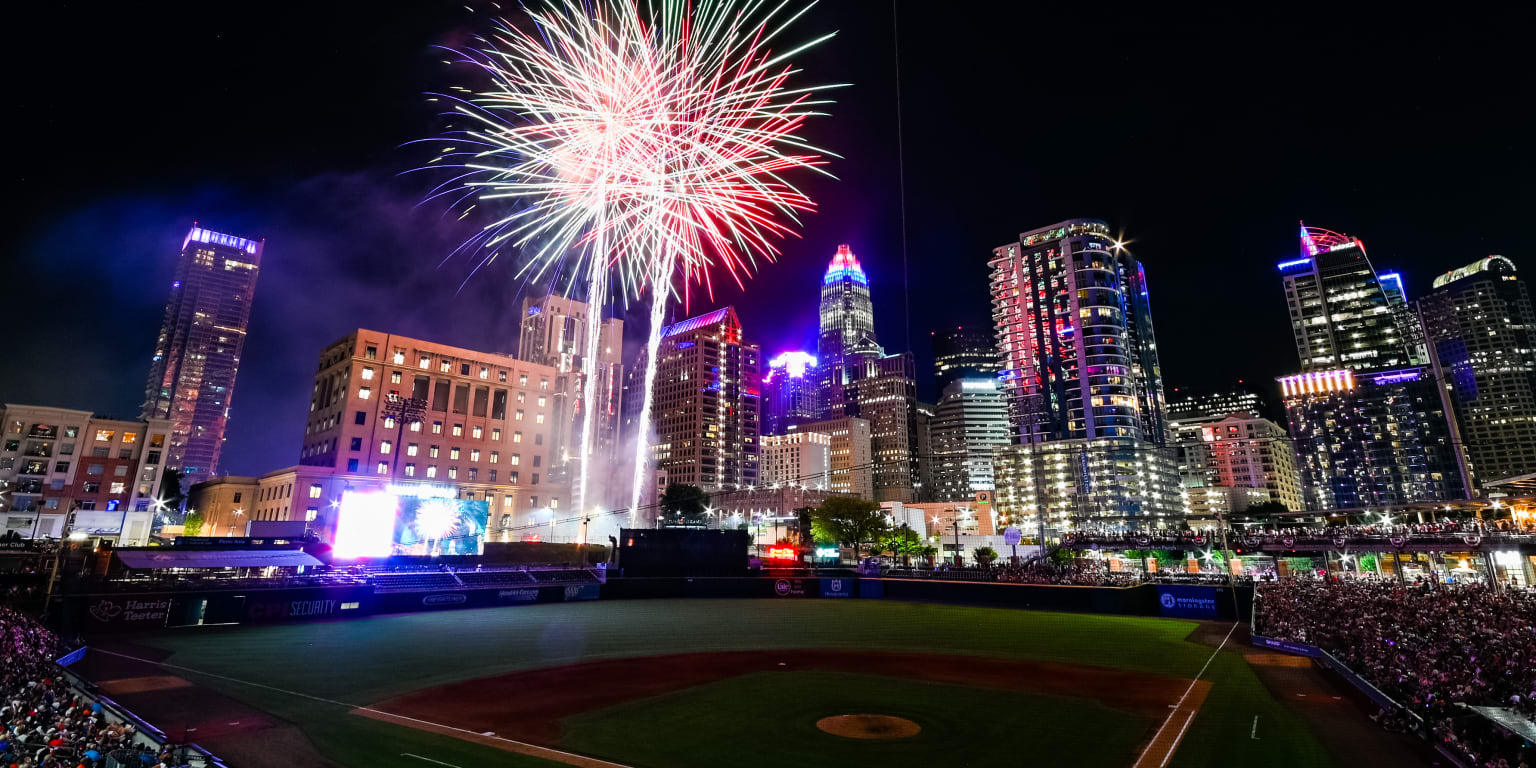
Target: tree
(848, 521)
(194, 524)
(684, 502)
(902, 542)
(985, 556)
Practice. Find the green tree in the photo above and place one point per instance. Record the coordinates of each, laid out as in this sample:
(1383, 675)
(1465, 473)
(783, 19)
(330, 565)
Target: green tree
(902, 542)
(684, 503)
(848, 521)
(985, 556)
(194, 524)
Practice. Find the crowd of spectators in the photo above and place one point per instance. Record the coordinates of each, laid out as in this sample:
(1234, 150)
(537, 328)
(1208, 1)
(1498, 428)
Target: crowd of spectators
(48, 723)
(1429, 647)
(1384, 529)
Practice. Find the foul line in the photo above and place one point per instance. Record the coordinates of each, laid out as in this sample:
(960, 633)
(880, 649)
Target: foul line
(568, 758)
(428, 759)
(1140, 761)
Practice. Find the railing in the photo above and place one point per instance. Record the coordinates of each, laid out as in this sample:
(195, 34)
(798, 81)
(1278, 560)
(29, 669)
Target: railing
(144, 732)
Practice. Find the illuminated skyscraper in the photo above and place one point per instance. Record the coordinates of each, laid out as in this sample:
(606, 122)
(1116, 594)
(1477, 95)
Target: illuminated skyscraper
(847, 315)
(554, 333)
(883, 391)
(707, 401)
(1482, 337)
(965, 353)
(791, 394)
(1369, 423)
(970, 421)
(1082, 382)
(197, 355)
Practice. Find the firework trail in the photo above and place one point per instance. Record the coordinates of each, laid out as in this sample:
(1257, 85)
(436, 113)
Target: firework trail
(635, 144)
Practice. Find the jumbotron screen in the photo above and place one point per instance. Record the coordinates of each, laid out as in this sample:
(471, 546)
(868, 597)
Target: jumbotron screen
(380, 524)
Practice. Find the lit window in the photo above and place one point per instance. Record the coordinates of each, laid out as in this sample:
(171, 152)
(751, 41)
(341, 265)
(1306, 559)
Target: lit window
(117, 488)
(485, 373)
(476, 432)
(522, 380)
(415, 426)
(496, 433)
(310, 514)
(453, 453)
(453, 473)
(541, 401)
(501, 376)
(474, 454)
(105, 435)
(517, 458)
(129, 438)
(410, 449)
(432, 451)
(424, 362)
(364, 392)
(385, 446)
(538, 418)
(431, 470)
(445, 367)
(367, 374)
(371, 352)
(315, 491)
(389, 422)
(554, 503)
(399, 357)
(410, 470)
(522, 396)
(458, 430)
(543, 383)
(517, 437)
(383, 468)
(519, 416)
(437, 427)
(394, 377)
(495, 457)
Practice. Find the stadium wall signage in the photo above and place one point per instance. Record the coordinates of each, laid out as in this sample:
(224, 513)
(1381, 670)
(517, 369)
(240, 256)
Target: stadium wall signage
(1187, 602)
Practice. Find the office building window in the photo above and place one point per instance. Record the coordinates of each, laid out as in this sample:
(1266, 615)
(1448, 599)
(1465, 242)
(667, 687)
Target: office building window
(367, 373)
(315, 489)
(410, 470)
(360, 417)
(385, 446)
(351, 465)
(410, 449)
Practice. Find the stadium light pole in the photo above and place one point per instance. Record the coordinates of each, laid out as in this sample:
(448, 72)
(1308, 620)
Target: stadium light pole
(402, 410)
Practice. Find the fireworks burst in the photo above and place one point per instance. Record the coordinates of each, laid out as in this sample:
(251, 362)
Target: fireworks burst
(631, 146)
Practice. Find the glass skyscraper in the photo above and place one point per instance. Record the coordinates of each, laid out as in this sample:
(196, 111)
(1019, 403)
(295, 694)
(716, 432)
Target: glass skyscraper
(790, 393)
(197, 355)
(1343, 314)
(847, 315)
(964, 353)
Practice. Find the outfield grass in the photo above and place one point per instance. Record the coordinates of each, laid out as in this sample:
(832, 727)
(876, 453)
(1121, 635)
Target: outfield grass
(769, 719)
(361, 662)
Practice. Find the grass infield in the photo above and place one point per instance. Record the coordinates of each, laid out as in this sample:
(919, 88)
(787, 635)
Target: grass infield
(756, 719)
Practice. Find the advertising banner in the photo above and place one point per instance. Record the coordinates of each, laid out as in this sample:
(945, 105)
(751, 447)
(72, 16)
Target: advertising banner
(1187, 602)
(129, 612)
(1287, 646)
(95, 522)
(789, 587)
(837, 587)
(871, 589)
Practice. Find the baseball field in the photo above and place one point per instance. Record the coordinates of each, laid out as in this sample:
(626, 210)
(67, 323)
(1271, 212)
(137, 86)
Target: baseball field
(703, 683)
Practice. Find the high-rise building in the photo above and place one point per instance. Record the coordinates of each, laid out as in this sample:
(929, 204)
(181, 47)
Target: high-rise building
(707, 403)
(791, 392)
(883, 391)
(1369, 422)
(1482, 341)
(197, 355)
(1342, 313)
(1080, 369)
(554, 333)
(1075, 334)
(964, 353)
(487, 429)
(852, 457)
(1214, 404)
(68, 472)
(970, 422)
(847, 315)
(1233, 462)
(798, 458)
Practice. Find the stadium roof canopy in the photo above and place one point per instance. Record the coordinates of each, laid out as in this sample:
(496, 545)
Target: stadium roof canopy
(214, 558)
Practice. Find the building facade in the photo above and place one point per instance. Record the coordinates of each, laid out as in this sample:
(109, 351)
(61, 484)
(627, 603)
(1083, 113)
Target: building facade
(1081, 379)
(707, 403)
(487, 428)
(197, 354)
(970, 422)
(846, 312)
(791, 392)
(964, 353)
(555, 333)
(1482, 342)
(1215, 405)
(1370, 424)
(1231, 463)
(851, 456)
(883, 391)
(798, 458)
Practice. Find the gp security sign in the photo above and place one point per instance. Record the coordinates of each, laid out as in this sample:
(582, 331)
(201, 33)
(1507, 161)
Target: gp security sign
(1186, 602)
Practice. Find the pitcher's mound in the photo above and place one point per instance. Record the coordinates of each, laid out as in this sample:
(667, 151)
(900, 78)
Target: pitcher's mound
(869, 726)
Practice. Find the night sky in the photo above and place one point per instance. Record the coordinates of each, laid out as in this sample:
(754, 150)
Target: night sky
(1203, 137)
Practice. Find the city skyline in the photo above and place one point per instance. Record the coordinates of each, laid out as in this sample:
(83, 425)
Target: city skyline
(351, 249)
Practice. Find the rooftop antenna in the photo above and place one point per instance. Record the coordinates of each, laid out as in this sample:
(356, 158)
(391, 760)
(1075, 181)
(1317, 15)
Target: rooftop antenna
(901, 185)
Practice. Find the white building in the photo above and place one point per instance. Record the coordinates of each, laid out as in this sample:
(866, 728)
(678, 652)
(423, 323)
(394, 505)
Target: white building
(1233, 462)
(798, 458)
